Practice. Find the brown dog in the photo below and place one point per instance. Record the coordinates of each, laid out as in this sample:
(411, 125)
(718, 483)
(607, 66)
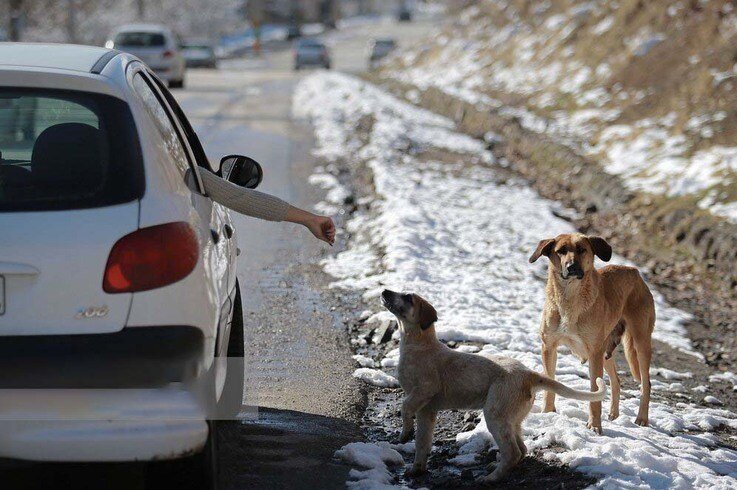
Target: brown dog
(589, 311)
(435, 377)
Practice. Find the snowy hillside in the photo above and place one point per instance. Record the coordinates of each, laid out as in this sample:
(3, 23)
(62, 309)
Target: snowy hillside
(645, 88)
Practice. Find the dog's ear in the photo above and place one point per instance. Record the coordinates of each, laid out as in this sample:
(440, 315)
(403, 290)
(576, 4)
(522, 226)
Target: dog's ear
(601, 248)
(545, 247)
(426, 313)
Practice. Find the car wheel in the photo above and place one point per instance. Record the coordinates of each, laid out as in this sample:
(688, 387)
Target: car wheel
(231, 400)
(297, 67)
(176, 83)
(197, 472)
(205, 463)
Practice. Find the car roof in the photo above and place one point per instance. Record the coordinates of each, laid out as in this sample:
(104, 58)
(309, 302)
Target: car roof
(55, 56)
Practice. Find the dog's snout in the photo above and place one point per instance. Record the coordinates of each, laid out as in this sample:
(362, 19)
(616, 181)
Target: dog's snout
(573, 268)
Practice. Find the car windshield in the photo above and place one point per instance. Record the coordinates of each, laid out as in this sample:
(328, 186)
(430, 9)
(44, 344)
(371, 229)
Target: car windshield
(140, 39)
(66, 150)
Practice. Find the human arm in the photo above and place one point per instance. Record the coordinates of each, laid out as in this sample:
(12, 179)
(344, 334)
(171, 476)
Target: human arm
(264, 206)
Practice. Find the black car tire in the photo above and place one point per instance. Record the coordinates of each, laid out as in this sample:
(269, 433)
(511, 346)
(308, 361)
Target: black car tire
(197, 472)
(231, 400)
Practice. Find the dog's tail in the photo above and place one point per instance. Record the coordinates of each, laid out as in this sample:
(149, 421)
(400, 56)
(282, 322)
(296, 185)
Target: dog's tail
(631, 355)
(542, 382)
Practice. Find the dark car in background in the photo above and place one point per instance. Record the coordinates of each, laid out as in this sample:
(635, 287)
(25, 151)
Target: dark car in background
(311, 52)
(380, 49)
(199, 53)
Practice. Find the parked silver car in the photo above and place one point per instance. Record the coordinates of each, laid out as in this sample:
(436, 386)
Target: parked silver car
(311, 52)
(156, 45)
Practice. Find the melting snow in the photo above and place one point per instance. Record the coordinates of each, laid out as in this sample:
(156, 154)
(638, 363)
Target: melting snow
(376, 377)
(454, 235)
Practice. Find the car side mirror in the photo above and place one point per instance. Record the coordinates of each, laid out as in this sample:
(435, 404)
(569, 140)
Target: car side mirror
(241, 171)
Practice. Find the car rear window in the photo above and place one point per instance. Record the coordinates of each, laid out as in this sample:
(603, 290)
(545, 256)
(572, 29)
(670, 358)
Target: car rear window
(66, 150)
(140, 39)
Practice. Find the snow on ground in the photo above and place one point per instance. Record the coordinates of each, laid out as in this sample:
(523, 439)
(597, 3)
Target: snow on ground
(376, 377)
(374, 457)
(452, 234)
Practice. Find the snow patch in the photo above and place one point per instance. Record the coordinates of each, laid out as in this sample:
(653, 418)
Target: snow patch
(376, 377)
(373, 456)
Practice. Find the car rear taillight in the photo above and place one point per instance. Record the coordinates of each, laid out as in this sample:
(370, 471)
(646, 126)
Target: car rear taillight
(151, 258)
(168, 54)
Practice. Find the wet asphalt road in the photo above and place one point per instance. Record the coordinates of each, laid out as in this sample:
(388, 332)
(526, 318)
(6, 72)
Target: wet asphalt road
(302, 402)
(298, 364)
(301, 396)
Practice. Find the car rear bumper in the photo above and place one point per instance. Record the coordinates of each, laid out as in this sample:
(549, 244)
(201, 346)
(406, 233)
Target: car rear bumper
(114, 427)
(136, 357)
(167, 73)
(125, 396)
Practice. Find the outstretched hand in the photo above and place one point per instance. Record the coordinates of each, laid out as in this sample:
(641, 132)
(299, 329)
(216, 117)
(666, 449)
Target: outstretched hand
(323, 228)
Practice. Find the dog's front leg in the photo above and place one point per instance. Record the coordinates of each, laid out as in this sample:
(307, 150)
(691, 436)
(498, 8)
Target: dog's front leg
(410, 405)
(550, 359)
(596, 370)
(423, 442)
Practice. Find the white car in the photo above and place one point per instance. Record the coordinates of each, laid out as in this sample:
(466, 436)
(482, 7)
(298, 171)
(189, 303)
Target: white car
(116, 269)
(156, 45)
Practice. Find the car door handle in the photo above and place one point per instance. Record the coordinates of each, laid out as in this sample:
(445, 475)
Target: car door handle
(228, 231)
(215, 235)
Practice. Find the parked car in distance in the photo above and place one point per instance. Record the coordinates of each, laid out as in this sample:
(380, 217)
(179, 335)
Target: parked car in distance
(311, 52)
(379, 49)
(118, 285)
(199, 54)
(293, 32)
(154, 44)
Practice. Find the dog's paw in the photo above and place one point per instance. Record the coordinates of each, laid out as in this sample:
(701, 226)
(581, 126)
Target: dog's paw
(613, 415)
(415, 471)
(641, 421)
(548, 409)
(406, 436)
(596, 427)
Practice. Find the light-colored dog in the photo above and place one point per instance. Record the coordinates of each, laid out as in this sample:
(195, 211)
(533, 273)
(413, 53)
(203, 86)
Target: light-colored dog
(435, 377)
(589, 311)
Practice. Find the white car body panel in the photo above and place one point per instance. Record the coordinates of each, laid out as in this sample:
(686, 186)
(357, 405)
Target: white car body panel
(69, 276)
(197, 301)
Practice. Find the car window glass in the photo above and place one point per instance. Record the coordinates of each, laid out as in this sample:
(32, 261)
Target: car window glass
(192, 138)
(140, 39)
(64, 150)
(172, 144)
